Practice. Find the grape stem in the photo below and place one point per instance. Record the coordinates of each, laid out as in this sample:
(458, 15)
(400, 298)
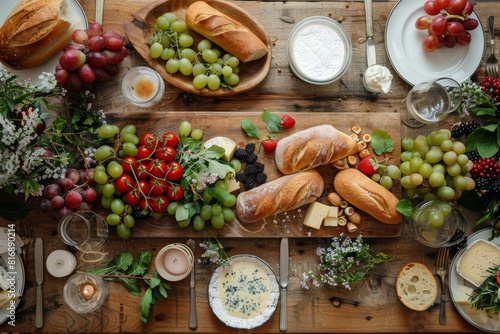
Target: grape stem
(449, 16)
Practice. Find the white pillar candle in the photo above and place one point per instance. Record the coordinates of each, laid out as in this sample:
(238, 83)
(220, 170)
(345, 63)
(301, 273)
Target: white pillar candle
(176, 261)
(60, 263)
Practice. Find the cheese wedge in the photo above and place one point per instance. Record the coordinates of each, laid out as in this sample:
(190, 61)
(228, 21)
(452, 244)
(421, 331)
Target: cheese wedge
(477, 259)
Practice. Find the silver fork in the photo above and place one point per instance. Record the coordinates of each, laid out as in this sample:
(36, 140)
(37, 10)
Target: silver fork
(492, 62)
(442, 272)
(26, 234)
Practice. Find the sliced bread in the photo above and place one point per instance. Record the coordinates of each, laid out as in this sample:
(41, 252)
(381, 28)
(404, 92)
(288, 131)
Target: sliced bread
(416, 286)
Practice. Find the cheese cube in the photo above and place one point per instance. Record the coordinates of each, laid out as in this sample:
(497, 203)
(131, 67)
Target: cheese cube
(232, 184)
(229, 147)
(331, 221)
(315, 214)
(334, 212)
(463, 294)
(479, 317)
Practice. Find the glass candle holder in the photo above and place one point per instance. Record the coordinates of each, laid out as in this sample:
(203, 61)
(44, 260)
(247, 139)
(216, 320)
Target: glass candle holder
(84, 293)
(143, 86)
(84, 230)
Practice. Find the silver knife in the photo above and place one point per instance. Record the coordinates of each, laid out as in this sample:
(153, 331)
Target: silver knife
(39, 280)
(283, 283)
(193, 320)
(371, 55)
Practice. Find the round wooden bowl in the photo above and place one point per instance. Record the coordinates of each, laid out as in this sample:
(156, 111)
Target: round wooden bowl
(141, 29)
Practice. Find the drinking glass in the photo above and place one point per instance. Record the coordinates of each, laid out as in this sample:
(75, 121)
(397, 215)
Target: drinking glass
(86, 230)
(430, 102)
(436, 223)
(84, 293)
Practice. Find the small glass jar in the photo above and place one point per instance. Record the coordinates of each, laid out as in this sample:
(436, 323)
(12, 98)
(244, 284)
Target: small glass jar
(436, 223)
(143, 86)
(319, 50)
(85, 293)
(84, 230)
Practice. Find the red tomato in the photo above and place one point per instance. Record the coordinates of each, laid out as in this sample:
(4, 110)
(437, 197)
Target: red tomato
(170, 139)
(166, 153)
(144, 203)
(175, 171)
(175, 192)
(144, 152)
(142, 171)
(124, 183)
(498, 277)
(143, 187)
(157, 168)
(159, 186)
(159, 203)
(129, 164)
(132, 197)
(149, 139)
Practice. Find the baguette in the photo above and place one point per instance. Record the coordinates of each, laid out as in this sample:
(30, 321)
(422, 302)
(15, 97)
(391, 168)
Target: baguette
(315, 146)
(33, 32)
(224, 31)
(367, 195)
(416, 286)
(283, 194)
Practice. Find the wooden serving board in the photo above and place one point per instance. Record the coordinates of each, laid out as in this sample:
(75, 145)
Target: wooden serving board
(228, 124)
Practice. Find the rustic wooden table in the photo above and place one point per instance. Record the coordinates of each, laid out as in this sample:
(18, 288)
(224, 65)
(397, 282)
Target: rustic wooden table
(309, 311)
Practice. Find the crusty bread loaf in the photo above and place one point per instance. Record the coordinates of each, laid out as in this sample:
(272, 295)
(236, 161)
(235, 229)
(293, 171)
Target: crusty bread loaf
(416, 286)
(283, 194)
(225, 31)
(367, 195)
(33, 32)
(312, 147)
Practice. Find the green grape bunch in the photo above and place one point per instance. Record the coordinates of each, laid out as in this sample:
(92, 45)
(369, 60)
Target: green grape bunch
(210, 68)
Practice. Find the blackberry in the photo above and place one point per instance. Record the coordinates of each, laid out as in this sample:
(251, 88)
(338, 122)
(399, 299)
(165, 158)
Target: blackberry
(482, 184)
(241, 177)
(473, 156)
(259, 166)
(249, 184)
(241, 154)
(252, 157)
(495, 186)
(250, 148)
(463, 128)
(261, 178)
(140, 214)
(251, 169)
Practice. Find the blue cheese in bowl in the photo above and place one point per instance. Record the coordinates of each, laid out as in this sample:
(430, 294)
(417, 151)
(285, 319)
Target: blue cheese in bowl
(245, 294)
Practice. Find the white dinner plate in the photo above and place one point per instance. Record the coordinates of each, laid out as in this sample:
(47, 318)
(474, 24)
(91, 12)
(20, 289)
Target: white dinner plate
(50, 65)
(454, 280)
(217, 304)
(16, 270)
(403, 44)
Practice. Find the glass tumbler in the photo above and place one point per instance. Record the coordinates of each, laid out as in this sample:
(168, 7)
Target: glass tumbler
(86, 230)
(84, 293)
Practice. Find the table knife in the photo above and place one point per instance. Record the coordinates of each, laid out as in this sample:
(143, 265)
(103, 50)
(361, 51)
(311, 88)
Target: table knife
(39, 280)
(283, 283)
(99, 10)
(371, 55)
(193, 319)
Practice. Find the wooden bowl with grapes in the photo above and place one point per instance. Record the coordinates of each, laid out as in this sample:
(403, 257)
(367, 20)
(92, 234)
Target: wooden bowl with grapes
(141, 29)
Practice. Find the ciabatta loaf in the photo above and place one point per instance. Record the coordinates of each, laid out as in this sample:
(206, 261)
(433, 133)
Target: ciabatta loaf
(283, 194)
(312, 147)
(225, 31)
(367, 195)
(35, 31)
(416, 286)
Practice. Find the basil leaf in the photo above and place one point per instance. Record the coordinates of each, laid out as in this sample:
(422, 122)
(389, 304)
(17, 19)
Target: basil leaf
(273, 122)
(382, 142)
(405, 207)
(250, 128)
(145, 305)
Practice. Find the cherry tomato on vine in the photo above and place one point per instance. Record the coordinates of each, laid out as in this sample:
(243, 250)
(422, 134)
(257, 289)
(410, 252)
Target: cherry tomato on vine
(175, 192)
(149, 139)
(143, 187)
(170, 139)
(124, 183)
(129, 164)
(142, 171)
(132, 197)
(159, 186)
(166, 153)
(159, 203)
(174, 171)
(144, 152)
(157, 168)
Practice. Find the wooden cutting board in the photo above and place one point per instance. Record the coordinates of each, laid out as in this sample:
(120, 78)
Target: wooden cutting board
(228, 124)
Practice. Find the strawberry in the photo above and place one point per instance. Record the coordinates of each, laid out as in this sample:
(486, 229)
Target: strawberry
(287, 122)
(269, 144)
(368, 165)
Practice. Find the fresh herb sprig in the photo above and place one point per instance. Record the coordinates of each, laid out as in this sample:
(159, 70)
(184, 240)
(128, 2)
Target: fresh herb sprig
(214, 253)
(131, 272)
(486, 297)
(343, 262)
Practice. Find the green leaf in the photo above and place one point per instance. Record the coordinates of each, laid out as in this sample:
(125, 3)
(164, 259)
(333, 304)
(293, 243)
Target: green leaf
(123, 261)
(221, 169)
(273, 121)
(405, 207)
(484, 140)
(218, 152)
(250, 128)
(100, 271)
(133, 285)
(145, 305)
(183, 211)
(144, 258)
(381, 142)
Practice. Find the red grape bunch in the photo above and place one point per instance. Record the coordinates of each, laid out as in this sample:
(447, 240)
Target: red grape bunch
(93, 57)
(447, 22)
(74, 192)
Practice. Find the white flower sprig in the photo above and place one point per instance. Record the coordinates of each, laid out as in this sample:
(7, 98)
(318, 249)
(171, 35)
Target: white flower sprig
(344, 262)
(214, 253)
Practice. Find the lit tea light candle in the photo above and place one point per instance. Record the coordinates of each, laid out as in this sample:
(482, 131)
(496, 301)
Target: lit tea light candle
(88, 290)
(143, 86)
(176, 261)
(60, 263)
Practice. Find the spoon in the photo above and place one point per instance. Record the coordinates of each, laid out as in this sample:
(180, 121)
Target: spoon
(193, 321)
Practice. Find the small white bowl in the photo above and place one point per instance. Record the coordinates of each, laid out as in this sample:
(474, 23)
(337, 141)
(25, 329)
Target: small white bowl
(174, 262)
(143, 86)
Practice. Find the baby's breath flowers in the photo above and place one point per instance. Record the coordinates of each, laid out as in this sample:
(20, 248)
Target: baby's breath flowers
(214, 253)
(344, 262)
(475, 100)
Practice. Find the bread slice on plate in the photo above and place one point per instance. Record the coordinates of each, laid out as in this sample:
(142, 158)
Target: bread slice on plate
(416, 286)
